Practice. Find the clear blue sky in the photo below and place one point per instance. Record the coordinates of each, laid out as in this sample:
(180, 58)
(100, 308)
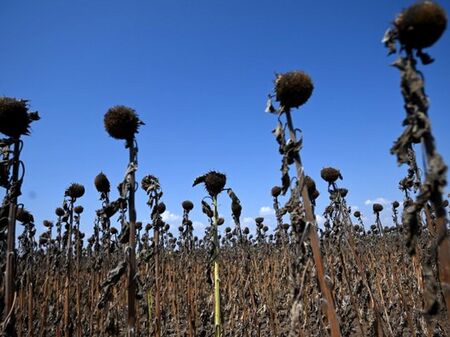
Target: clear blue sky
(198, 73)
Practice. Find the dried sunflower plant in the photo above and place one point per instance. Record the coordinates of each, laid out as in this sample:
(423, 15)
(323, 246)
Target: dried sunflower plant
(292, 90)
(122, 123)
(214, 183)
(15, 120)
(414, 29)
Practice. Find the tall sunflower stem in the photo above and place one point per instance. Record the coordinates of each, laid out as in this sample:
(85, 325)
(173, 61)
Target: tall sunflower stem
(313, 236)
(11, 242)
(217, 315)
(131, 329)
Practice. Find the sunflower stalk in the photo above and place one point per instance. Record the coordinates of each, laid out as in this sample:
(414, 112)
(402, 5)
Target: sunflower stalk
(131, 286)
(217, 316)
(67, 322)
(416, 105)
(313, 236)
(12, 195)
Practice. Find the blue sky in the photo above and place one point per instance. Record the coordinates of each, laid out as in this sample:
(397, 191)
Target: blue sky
(197, 73)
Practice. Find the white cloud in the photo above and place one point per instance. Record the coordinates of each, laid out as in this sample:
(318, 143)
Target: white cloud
(381, 201)
(168, 216)
(320, 220)
(198, 225)
(266, 210)
(248, 221)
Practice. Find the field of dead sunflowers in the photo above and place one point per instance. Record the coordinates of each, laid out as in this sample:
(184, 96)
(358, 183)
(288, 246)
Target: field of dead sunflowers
(154, 278)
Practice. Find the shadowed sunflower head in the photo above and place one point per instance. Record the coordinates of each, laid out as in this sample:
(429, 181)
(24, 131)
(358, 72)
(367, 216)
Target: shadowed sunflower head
(59, 211)
(74, 191)
(187, 205)
(276, 191)
(330, 174)
(214, 182)
(14, 117)
(101, 183)
(293, 89)
(377, 208)
(78, 210)
(24, 216)
(421, 25)
(122, 122)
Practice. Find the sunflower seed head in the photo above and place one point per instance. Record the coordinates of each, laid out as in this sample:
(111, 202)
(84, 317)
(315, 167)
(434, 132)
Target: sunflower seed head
(293, 89)
(14, 117)
(377, 208)
(101, 183)
(75, 191)
(330, 174)
(122, 122)
(421, 25)
(187, 205)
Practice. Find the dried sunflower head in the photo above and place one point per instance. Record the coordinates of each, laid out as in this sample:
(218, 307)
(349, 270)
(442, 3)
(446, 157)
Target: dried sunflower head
(236, 209)
(150, 183)
(122, 122)
(24, 216)
(259, 220)
(214, 182)
(47, 223)
(395, 204)
(14, 117)
(78, 210)
(310, 184)
(59, 211)
(74, 191)
(330, 174)
(343, 192)
(377, 208)
(187, 205)
(276, 191)
(293, 89)
(161, 208)
(421, 25)
(101, 183)
(315, 194)
(357, 214)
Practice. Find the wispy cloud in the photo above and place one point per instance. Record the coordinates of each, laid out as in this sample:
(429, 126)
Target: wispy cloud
(198, 225)
(380, 200)
(266, 210)
(168, 216)
(320, 220)
(248, 221)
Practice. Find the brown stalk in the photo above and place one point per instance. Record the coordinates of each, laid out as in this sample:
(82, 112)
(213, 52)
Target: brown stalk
(314, 238)
(67, 330)
(157, 279)
(131, 282)
(11, 241)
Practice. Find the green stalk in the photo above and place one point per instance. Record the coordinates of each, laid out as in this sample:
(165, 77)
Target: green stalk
(217, 317)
